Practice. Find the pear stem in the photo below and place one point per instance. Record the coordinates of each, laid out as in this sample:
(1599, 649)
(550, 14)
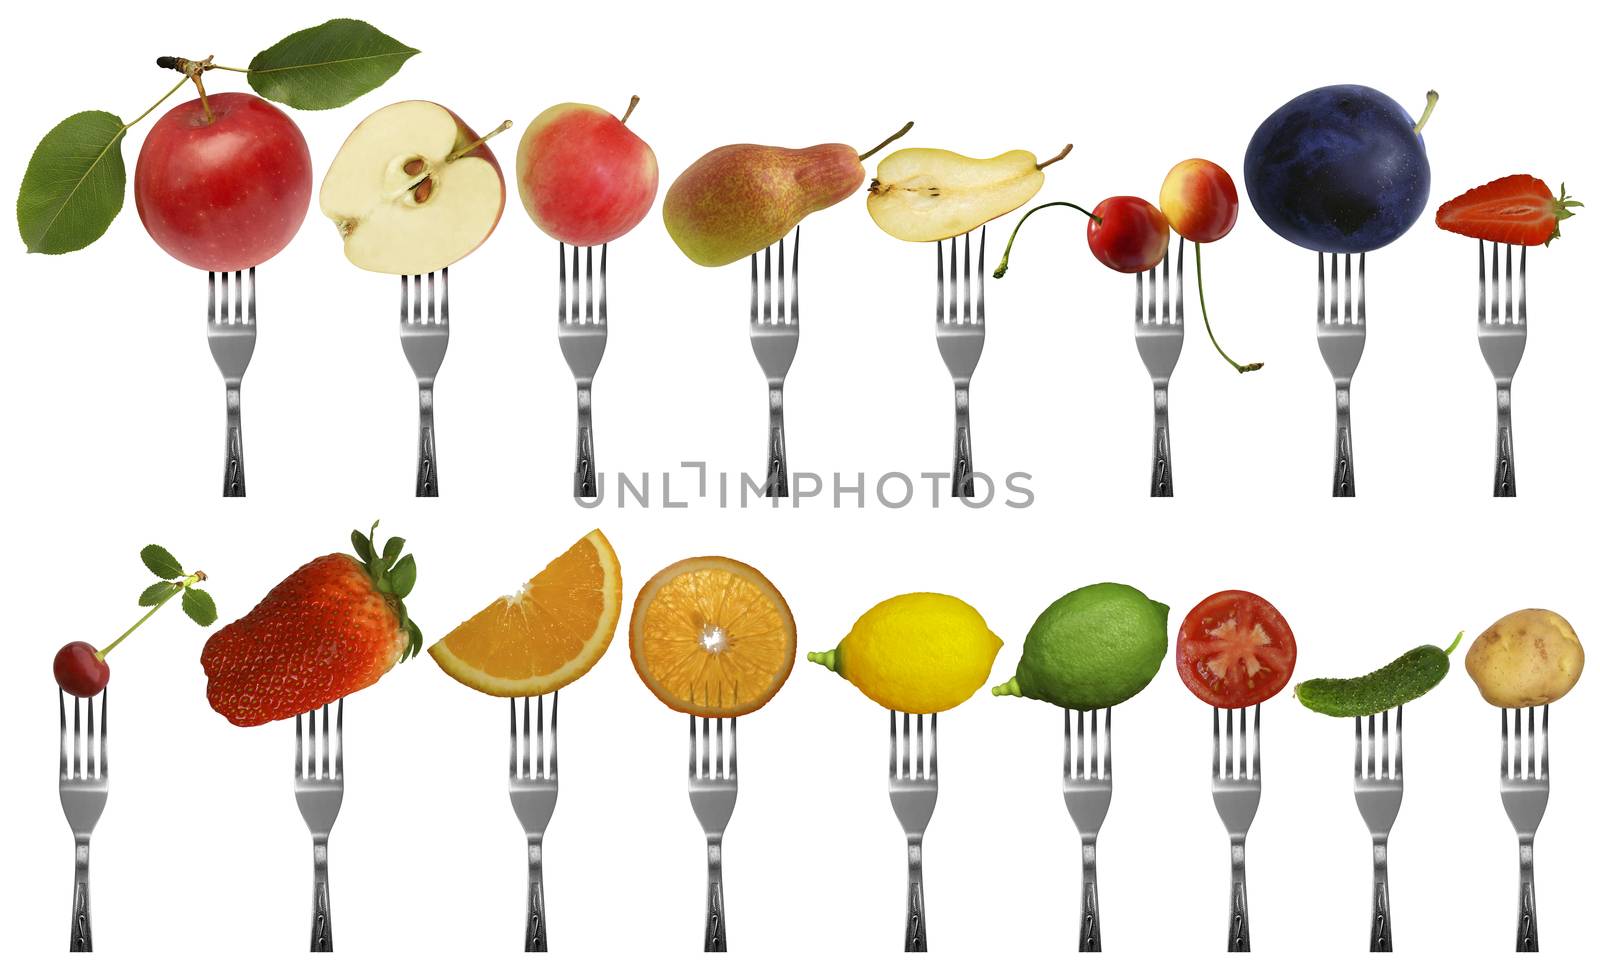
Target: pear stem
(874, 149)
(633, 102)
(1055, 158)
(170, 92)
(1427, 112)
(1200, 285)
(458, 153)
(1005, 258)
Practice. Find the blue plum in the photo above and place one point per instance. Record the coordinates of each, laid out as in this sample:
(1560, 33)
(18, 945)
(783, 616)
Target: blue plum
(1340, 169)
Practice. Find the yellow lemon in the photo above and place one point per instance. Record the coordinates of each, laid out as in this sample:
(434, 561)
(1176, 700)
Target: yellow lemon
(919, 653)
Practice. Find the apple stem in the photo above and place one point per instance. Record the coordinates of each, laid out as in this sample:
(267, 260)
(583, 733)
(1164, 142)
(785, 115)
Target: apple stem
(1200, 285)
(1055, 158)
(458, 153)
(1427, 112)
(178, 586)
(874, 149)
(1005, 258)
(633, 102)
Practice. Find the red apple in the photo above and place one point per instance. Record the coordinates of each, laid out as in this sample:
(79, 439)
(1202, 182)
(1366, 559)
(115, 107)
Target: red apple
(585, 177)
(225, 193)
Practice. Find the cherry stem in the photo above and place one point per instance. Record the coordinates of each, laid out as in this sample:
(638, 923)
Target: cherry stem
(633, 102)
(1005, 258)
(1055, 158)
(177, 587)
(874, 149)
(458, 153)
(1200, 285)
(1427, 112)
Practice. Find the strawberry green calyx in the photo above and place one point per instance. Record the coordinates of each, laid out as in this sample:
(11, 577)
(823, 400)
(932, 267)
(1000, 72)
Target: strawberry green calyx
(393, 576)
(1562, 208)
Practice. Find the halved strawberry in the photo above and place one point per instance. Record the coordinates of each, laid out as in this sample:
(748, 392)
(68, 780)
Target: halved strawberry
(1519, 210)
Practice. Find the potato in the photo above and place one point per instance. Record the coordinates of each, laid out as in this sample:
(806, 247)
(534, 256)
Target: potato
(1528, 658)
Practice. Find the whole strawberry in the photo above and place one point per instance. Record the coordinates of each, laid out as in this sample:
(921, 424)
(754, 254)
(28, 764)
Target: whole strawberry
(336, 625)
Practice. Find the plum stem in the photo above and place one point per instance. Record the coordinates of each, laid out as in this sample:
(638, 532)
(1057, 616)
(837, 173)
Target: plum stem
(1054, 158)
(1427, 112)
(1200, 285)
(633, 102)
(177, 587)
(1005, 258)
(460, 152)
(875, 148)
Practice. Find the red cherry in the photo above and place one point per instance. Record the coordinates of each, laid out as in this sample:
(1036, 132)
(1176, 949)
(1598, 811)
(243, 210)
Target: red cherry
(80, 671)
(1128, 234)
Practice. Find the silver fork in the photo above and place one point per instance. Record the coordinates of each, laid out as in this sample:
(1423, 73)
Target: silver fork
(774, 339)
(1380, 782)
(1525, 791)
(232, 339)
(319, 790)
(1236, 790)
(85, 782)
(533, 798)
(424, 340)
(1086, 786)
(713, 789)
(1502, 342)
(961, 344)
(913, 792)
(1341, 338)
(1159, 344)
(583, 343)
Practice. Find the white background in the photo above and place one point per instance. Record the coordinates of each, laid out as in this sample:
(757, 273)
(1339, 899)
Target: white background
(115, 435)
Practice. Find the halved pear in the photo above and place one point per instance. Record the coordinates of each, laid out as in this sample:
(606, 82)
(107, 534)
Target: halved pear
(926, 194)
(413, 190)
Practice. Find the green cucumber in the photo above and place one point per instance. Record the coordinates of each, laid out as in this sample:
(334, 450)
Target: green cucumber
(1410, 676)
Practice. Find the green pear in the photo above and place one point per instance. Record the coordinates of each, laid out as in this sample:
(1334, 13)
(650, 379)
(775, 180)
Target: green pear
(739, 199)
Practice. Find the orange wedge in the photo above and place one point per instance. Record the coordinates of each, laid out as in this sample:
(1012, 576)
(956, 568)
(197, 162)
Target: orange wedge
(547, 634)
(712, 637)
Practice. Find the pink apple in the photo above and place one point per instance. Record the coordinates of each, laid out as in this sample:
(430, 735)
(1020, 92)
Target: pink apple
(225, 193)
(585, 177)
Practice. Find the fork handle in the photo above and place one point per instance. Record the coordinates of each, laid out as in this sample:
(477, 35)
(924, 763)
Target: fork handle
(916, 922)
(716, 925)
(427, 462)
(535, 941)
(321, 911)
(1161, 466)
(961, 485)
(1344, 456)
(1505, 465)
(583, 483)
(233, 466)
(1089, 919)
(1527, 913)
(82, 936)
(777, 485)
(1238, 904)
(1382, 938)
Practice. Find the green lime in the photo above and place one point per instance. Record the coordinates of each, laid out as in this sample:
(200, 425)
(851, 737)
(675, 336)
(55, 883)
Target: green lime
(1094, 647)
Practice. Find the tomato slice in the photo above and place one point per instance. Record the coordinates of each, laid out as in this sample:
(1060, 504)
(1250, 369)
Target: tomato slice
(1235, 649)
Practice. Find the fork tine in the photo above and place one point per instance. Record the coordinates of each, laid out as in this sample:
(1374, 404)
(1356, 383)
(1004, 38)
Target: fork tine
(602, 317)
(1544, 729)
(966, 279)
(1517, 764)
(719, 767)
(299, 746)
(1372, 745)
(1522, 292)
(1216, 742)
(1494, 305)
(61, 704)
(905, 747)
(1106, 761)
(1322, 297)
(983, 240)
(1229, 764)
(1386, 764)
(1166, 293)
(338, 730)
(1505, 744)
(1255, 746)
(938, 308)
(512, 769)
(692, 738)
(561, 285)
(933, 747)
(1358, 747)
(555, 698)
(251, 302)
(917, 763)
(211, 306)
(733, 749)
(1138, 299)
(794, 282)
(588, 282)
(1348, 285)
(1483, 291)
(1399, 742)
(538, 759)
(1177, 296)
(893, 739)
(705, 747)
(1078, 762)
(766, 288)
(1094, 744)
(1150, 308)
(1510, 285)
(238, 297)
(781, 316)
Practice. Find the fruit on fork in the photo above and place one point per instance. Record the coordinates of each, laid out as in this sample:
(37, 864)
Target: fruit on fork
(1518, 210)
(413, 189)
(1125, 233)
(334, 626)
(1525, 659)
(545, 635)
(1201, 204)
(928, 194)
(223, 183)
(712, 637)
(737, 200)
(1401, 681)
(585, 177)
(1235, 650)
(1094, 647)
(917, 653)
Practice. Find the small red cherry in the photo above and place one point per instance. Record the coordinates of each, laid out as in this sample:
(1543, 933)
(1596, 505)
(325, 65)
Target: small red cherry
(80, 671)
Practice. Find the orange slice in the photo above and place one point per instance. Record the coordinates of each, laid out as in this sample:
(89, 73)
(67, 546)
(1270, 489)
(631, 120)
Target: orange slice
(547, 634)
(712, 637)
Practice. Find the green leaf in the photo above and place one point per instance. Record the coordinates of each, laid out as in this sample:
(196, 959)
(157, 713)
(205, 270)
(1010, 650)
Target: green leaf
(363, 545)
(391, 549)
(199, 606)
(157, 593)
(403, 577)
(414, 646)
(74, 184)
(161, 562)
(327, 66)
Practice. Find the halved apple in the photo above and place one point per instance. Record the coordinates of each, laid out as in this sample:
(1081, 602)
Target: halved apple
(926, 194)
(413, 190)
